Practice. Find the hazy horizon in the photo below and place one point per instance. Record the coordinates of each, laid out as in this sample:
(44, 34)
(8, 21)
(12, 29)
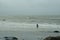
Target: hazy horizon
(29, 7)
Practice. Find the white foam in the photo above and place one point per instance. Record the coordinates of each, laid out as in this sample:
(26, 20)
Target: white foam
(4, 25)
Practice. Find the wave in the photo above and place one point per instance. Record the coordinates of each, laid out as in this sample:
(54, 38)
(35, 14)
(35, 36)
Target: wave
(33, 19)
(27, 26)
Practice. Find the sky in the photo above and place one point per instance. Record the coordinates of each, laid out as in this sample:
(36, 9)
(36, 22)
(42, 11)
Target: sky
(29, 7)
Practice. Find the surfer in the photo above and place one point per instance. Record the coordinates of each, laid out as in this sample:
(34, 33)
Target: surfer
(37, 25)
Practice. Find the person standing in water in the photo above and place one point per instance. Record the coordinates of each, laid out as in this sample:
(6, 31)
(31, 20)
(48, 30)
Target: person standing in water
(37, 25)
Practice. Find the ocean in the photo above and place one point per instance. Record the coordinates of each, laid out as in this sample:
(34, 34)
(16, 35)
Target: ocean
(24, 27)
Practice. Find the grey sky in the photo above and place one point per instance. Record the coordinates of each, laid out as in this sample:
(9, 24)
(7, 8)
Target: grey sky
(29, 7)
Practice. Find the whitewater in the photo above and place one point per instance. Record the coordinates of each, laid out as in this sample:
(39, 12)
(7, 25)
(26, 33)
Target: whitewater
(26, 28)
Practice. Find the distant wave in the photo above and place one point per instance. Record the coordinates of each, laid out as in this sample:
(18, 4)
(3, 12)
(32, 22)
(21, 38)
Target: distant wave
(33, 19)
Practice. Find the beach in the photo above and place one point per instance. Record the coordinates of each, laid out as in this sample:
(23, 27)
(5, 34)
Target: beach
(24, 27)
(27, 31)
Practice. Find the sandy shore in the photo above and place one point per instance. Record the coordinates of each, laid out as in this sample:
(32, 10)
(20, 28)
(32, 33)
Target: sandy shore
(27, 31)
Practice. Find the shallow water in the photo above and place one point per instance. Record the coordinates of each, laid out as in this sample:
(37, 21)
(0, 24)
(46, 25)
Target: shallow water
(25, 28)
(28, 35)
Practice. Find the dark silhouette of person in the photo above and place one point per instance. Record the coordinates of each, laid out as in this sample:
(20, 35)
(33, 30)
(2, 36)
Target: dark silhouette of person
(37, 25)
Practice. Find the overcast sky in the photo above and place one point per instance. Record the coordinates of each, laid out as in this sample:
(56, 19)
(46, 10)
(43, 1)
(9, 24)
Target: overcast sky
(29, 7)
